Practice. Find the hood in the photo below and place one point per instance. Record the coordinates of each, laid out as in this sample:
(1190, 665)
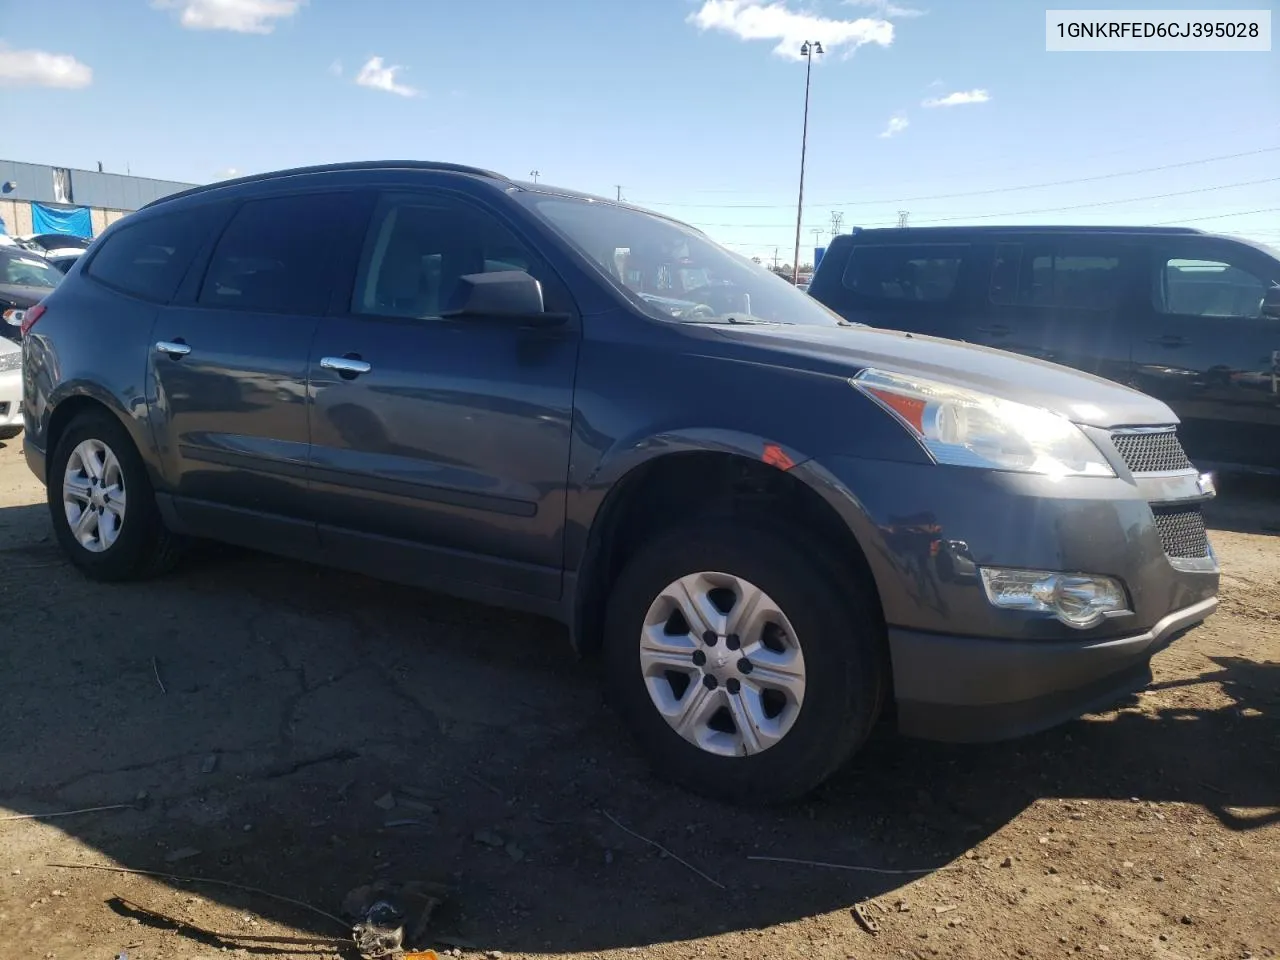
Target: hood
(23, 296)
(844, 351)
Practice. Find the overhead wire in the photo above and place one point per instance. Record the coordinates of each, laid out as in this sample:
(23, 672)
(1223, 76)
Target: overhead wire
(969, 193)
(1019, 213)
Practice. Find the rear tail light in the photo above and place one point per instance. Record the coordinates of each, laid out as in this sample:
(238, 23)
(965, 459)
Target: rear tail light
(30, 317)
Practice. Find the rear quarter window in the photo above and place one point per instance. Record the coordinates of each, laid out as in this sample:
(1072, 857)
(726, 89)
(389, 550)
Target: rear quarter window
(149, 258)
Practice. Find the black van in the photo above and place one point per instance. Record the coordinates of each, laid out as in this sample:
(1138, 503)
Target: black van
(1186, 316)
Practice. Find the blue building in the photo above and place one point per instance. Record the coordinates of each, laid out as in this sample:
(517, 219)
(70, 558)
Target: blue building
(35, 198)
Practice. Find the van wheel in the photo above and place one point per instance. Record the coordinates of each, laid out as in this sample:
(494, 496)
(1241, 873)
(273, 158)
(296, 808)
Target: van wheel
(747, 671)
(102, 505)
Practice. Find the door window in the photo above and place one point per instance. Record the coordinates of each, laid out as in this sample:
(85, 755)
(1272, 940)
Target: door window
(148, 258)
(418, 248)
(277, 256)
(918, 274)
(1035, 275)
(1207, 288)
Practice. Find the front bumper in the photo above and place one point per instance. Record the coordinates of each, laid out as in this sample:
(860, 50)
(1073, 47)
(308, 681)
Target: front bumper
(965, 670)
(970, 689)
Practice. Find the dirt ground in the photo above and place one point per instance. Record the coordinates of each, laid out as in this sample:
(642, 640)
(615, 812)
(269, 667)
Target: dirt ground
(305, 732)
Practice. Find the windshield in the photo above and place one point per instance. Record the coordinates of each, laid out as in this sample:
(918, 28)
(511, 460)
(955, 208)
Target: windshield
(672, 272)
(27, 271)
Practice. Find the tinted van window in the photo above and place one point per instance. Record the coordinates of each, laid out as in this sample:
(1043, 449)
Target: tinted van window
(1038, 275)
(919, 273)
(1207, 288)
(149, 258)
(277, 255)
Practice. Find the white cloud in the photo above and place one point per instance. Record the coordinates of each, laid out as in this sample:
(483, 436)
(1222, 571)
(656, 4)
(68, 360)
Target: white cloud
(886, 8)
(897, 123)
(227, 174)
(36, 68)
(240, 16)
(374, 74)
(959, 98)
(753, 20)
(335, 68)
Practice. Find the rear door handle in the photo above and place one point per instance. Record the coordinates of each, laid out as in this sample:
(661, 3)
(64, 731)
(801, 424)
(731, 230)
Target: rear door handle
(174, 348)
(998, 330)
(1169, 340)
(350, 366)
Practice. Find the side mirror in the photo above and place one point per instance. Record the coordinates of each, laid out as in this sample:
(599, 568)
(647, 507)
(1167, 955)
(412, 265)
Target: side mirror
(1271, 302)
(501, 295)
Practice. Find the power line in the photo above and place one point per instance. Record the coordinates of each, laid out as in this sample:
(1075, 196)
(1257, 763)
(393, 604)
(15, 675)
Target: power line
(974, 193)
(1144, 145)
(1019, 213)
(1217, 216)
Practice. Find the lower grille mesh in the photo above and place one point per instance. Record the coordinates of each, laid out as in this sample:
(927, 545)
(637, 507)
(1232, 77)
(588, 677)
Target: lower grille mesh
(1182, 532)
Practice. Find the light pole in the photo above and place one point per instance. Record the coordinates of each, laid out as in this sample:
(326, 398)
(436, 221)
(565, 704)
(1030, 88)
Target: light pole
(535, 174)
(807, 50)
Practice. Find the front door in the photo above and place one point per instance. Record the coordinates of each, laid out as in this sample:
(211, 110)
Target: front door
(230, 366)
(1207, 350)
(440, 447)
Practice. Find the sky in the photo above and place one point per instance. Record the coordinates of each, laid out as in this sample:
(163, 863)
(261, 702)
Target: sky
(951, 110)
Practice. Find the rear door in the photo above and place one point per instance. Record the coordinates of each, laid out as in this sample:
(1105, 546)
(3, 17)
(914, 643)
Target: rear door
(1068, 298)
(918, 287)
(1206, 349)
(229, 362)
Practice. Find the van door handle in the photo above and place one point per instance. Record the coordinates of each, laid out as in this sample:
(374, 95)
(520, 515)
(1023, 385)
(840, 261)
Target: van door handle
(1169, 340)
(348, 367)
(998, 330)
(176, 349)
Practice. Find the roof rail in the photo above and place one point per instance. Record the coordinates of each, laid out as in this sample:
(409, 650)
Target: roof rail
(333, 168)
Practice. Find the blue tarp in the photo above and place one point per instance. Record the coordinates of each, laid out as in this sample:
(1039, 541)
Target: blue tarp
(73, 221)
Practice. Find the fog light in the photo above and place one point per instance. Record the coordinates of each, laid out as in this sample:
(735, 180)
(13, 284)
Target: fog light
(1078, 600)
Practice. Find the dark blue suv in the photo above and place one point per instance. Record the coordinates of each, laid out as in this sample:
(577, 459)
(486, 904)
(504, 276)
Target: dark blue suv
(776, 526)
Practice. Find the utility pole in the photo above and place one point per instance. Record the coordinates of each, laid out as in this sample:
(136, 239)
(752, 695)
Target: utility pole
(807, 50)
(817, 237)
(775, 259)
(619, 186)
(837, 218)
(902, 217)
(535, 175)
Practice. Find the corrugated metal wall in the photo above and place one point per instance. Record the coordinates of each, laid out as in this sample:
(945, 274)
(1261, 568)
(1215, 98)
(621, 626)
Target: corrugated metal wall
(108, 191)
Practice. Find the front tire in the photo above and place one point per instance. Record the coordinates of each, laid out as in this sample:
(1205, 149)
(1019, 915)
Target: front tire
(102, 504)
(748, 669)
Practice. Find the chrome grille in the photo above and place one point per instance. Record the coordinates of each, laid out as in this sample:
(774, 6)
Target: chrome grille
(1151, 452)
(1182, 532)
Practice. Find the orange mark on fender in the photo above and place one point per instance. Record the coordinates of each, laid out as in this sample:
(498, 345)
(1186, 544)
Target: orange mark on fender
(775, 456)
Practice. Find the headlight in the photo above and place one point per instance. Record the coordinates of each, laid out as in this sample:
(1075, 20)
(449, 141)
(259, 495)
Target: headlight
(966, 428)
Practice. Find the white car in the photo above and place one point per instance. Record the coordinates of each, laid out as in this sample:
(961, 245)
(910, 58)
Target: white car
(10, 389)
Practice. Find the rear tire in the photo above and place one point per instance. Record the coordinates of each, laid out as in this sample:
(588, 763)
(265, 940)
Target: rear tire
(825, 650)
(8, 433)
(102, 504)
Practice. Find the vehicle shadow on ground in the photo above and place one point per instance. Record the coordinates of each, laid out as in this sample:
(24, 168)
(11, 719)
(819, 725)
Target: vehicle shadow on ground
(304, 731)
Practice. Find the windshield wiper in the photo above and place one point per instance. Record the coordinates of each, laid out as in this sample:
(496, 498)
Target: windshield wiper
(744, 321)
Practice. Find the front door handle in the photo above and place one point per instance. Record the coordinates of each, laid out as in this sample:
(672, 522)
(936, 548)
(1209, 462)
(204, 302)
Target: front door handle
(174, 348)
(1169, 340)
(998, 330)
(348, 367)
